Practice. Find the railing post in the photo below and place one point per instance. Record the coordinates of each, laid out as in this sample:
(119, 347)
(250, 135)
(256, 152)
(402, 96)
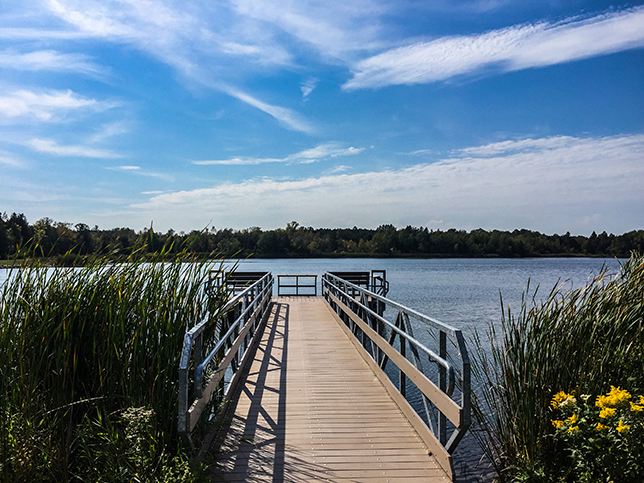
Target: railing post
(442, 381)
(244, 304)
(183, 423)
(403, 351)
(199, 349)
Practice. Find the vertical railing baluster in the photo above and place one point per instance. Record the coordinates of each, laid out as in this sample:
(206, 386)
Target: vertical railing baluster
(199, 349)
(403, 352)
(442, 381)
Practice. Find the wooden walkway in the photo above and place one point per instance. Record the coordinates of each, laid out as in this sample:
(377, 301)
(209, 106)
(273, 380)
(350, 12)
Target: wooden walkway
(311, 409)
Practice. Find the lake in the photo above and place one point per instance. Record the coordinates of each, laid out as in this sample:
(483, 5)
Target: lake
(464, 293)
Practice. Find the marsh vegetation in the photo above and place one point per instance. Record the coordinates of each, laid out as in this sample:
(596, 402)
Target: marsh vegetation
(88, 367)
(579, 342)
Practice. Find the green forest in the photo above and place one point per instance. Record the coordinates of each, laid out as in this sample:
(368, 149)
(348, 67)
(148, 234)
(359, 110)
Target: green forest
(48, 238)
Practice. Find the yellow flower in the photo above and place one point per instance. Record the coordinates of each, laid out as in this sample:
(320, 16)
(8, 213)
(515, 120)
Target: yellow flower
(572, 419)
(600, 427)
(561, 399)
(557, 423)
(621, 427)
(612, 398)
(574, 428)
(637, 408)
(607, 412)
(641, 399)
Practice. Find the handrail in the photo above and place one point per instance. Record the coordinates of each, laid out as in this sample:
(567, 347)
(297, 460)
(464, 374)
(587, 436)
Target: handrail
(237, 328)
(432, 355)
(297, 285)
(362, 312)
(375, 280)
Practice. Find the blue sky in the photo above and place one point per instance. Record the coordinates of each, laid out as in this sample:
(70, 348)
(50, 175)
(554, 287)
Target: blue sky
(239, 113)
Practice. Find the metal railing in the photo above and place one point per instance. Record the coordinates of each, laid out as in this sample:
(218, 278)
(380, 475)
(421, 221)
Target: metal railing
(362, 313)
(234, 281)
(201, 368)
(379, 283)
(374, 281)
(293, 282)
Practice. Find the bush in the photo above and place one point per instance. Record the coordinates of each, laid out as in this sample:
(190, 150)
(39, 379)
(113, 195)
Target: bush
(605, 440)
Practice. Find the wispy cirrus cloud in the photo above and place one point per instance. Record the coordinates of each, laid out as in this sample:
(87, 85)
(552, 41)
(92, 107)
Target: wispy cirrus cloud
(287, 117)
(308, 86)
(217, 44)
(46, 106)
(211, 44)
(28, 33)
(11, 160)
(50, 60)
(318, 153)
(513, 48)
(137, 170)
(334, 29)
(521, 145)
(50, 146)
(107, 131)
(553, 184)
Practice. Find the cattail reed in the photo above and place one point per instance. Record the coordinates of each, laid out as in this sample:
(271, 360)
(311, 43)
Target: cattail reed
(582, 340)
(88, 365)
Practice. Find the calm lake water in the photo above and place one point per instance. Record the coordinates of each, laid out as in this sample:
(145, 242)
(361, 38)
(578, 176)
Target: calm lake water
(464, 293)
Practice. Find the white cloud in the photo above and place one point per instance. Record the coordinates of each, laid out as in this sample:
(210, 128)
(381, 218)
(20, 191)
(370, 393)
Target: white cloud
(142, 172)
(46, 106)
(107, 131)
(13, 33)
(327, 151)
(260, 54)
(9, 159)
(421, 152)
(239, 161)
(339, 169)
(509, 49)
(523, 145)
(49, 60)
(287, 117)
(323, 151)
(217, 44)
(263, 33)
(308, 86)
(105, 22)
(203, 42)
(50, 146)
(549, 189)
(336, 29)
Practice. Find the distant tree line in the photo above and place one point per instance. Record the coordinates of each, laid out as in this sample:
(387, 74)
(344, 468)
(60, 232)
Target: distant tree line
(47, 238)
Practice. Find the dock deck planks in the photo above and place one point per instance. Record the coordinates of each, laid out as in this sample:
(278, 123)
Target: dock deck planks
(311, 409)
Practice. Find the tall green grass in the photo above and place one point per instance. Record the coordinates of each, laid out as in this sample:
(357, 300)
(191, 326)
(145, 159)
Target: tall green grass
(88, 366)
(581, 341)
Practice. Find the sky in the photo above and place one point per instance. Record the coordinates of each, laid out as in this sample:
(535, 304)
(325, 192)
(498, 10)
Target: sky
(193, 114)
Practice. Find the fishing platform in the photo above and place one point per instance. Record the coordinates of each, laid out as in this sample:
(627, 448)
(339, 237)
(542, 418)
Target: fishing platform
(300, 387)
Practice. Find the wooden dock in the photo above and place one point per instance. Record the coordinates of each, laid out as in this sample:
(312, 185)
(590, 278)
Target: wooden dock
(310, 408)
